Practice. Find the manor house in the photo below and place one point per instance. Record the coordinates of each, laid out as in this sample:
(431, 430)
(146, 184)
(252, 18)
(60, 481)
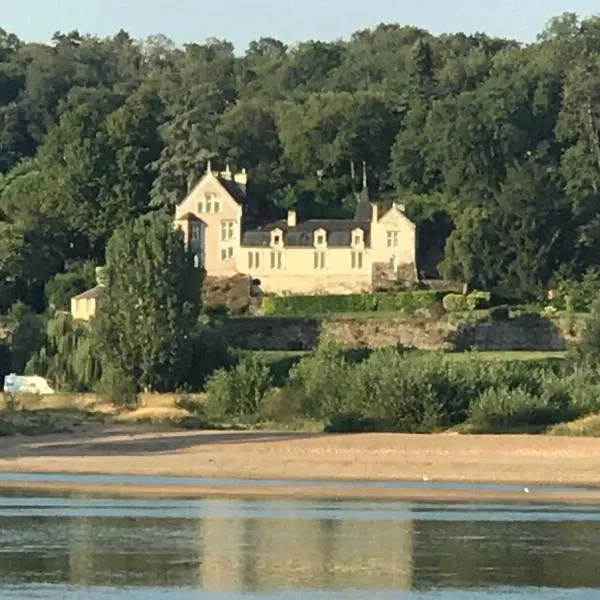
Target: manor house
(317, 256)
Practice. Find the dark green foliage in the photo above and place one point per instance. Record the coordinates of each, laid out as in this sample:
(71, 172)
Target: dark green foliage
(61, 288)
(209, 352)
(405, 302)
(589, 346)
(150, 307)
(499, 313)
(493, 146)
(28, 335)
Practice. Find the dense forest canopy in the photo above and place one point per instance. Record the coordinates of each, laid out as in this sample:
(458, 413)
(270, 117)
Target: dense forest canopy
(493, 145)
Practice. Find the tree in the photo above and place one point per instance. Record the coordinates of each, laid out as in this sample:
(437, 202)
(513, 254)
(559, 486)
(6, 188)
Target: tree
(150, 306)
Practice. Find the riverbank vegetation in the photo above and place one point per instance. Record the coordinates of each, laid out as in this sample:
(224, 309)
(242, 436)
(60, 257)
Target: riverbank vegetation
(490, 144)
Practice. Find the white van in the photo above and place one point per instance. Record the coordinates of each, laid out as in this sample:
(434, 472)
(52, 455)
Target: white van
(33, 384)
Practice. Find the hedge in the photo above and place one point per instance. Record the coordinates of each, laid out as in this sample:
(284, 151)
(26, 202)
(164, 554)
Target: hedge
(405, 302)
(462, 303)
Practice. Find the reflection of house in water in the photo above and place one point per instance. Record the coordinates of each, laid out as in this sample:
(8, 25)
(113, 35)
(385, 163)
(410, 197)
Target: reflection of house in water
(262, 553)
(81, 549)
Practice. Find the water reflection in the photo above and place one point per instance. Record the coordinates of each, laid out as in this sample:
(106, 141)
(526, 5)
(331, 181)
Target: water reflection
(260, 546)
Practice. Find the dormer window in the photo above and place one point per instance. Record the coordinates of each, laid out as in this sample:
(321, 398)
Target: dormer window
(320, 238)
(357, 238)
(276, 238)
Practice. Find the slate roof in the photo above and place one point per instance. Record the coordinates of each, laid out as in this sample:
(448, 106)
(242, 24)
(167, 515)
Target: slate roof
(339, 232)
(237, 191)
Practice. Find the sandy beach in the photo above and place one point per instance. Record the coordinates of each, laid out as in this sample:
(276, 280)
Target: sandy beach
(517, 459)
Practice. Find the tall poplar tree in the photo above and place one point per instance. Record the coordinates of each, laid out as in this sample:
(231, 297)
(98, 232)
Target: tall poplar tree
(150, 307)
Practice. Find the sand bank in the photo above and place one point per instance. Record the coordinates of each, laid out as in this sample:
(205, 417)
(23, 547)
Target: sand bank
(523, 460)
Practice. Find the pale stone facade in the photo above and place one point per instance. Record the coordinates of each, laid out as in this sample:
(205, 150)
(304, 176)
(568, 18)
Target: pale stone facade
(318, 256)
(85, 305)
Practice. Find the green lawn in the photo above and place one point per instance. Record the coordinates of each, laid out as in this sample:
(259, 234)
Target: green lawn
(508, 355)
(272, 356)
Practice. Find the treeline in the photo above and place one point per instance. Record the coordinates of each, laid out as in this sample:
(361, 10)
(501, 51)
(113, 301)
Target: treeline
(494, 146)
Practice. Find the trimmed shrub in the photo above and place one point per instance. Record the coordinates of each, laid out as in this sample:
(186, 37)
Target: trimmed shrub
(461, 303)
(478, 299)
(455, 303)
(406, 302)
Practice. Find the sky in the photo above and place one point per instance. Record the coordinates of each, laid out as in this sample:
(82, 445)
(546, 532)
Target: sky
(241, 21)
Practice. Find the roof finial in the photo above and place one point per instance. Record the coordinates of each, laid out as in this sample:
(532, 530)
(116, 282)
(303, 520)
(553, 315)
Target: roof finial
(209, 166)
(364, 174)
(227, 169)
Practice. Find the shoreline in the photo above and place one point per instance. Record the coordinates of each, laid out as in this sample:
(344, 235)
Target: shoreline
(329, 462)
(277, 492)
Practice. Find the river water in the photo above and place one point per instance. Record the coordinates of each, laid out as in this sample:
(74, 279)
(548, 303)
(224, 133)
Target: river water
(81, 547)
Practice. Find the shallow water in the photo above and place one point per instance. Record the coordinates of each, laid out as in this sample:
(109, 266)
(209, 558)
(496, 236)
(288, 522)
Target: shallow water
(79, 547)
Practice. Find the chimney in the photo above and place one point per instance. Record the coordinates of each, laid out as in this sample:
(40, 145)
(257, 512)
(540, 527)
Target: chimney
(374, 212)
(241, 178)
(100, 277)
(226, 174)
(291, 218)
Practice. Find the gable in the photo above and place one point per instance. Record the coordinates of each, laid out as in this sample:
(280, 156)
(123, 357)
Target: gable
(396, 217)
(209, 188)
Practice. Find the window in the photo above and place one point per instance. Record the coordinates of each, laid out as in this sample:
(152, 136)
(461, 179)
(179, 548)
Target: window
(319, 260)
(200, 206)
(276, 260)
(393, 238)
(217, 206)
(357, 240)
(195, 232)
(197, 261)
(253, 260)
(208, 206)
(209, 195)
(223, 253)
(276, 239)
(320, 239)
(227, 230)
(357, 260)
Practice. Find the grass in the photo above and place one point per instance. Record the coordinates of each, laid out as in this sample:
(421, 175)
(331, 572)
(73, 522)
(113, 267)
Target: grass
(508, 355)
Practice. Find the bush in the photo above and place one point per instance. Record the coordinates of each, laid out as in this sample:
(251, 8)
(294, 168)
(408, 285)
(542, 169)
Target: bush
(575, 294)
(406, 302)
(240, 391)
(463, 303)
(478, 299)
(455, 303)
(502, 409)
(321, 381)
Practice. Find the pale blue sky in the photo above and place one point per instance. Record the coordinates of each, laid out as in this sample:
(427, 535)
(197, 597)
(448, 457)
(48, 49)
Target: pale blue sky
(241, 21)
